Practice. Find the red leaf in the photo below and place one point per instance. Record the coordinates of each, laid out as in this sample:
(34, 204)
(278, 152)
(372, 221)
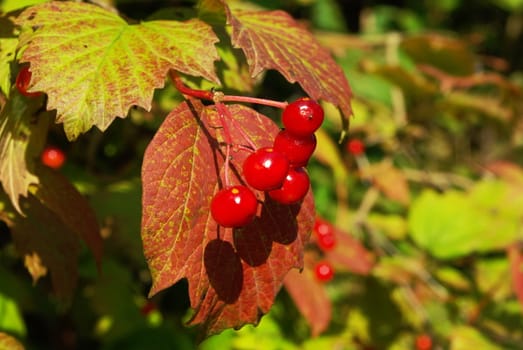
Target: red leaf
(274, 40)
(515, 257)
(233, 275)
(44, 233)
(349, 254)
(310, 298)
(58, 194)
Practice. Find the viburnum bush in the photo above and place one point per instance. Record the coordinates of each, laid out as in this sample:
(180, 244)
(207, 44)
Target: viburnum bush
(184, 177)
(226, 200)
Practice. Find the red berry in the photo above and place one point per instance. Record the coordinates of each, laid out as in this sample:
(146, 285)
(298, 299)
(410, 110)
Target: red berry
(324, 271)
(265, 169)
(53, 157)
(423, 342)
(234, 206)
(325, 234)
(294, 188)
(22, 82)
(355, 147)
(298, 150)
(147, 308)
(302, 117)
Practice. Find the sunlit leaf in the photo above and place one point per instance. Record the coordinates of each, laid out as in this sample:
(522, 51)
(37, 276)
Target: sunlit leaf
(274, 40)
(455, 223)
(8, 342)
(23, 129)
(466, 338)
(8, 44)
(11, 319)
(94, 66)
(233, 275)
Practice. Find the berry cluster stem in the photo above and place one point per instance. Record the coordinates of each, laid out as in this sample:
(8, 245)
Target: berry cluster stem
(220, 96)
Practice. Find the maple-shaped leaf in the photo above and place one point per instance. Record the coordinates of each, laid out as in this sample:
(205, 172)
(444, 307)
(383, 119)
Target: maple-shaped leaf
(23, 130)
(274, 40)
(234, 275)
(310, 296)
(94, 66)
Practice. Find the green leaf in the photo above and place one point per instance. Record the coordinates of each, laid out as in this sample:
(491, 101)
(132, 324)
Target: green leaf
(23, 129)
(8, 44)
(455, 224)
(12, 5)
(466, 338)
(94, 66)
(10, 317)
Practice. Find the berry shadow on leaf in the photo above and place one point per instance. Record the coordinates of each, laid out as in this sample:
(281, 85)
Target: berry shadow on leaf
(224, 269)
(254, 241)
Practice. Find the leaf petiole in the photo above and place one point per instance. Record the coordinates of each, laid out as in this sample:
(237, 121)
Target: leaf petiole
(220, 96)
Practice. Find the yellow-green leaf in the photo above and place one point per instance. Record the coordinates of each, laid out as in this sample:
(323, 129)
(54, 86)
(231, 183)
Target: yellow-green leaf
(94, 66)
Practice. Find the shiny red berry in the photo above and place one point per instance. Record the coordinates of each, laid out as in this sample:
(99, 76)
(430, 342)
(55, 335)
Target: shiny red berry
(234, 206)
(298, 150)
(23, 79)
(53, 157)
(265, 169)
(294, 188)
(302, 117)
(355, 147)
(324, 271)
(324, 232)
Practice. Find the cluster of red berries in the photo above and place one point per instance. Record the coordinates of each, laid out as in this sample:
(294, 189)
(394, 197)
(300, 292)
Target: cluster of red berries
(278, 170)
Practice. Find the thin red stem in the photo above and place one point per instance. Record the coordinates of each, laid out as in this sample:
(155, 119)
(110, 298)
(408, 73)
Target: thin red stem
(226, 165)
(219, 96)
(223, 113)
(254, 100)
(184, 89)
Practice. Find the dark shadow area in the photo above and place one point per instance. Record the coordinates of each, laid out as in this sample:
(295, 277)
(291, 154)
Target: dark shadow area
(283, 217)
(224, 269)
(277, 223)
